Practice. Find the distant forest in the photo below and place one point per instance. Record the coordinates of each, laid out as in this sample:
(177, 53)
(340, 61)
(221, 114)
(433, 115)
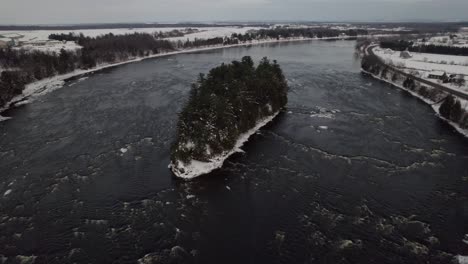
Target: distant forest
(416, 27)
(22, 67)
(120, 25)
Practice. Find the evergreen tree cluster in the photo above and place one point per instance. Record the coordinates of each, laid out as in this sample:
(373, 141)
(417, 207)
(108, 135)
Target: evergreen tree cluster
(226, 103)
(398, 45)
(440, 49)
(371, 64)
(175, 33)
(188, 44)
(452, 110)
(25, 67)
(285, 32)
(12, 83)
(111, 48)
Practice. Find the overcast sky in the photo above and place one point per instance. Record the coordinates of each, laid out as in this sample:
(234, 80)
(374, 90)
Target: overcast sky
(97, 11)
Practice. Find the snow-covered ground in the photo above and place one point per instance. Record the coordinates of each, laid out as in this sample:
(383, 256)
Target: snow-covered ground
(51, 47)
(206, 33)
(43, 35)
(30, 35)
(422, 64)
(462, 259)
(461, 40)
(425, 63)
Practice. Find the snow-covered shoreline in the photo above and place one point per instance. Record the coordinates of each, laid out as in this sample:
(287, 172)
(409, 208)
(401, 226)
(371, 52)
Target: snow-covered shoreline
(434, 107)
(49, 84)
(198, 168)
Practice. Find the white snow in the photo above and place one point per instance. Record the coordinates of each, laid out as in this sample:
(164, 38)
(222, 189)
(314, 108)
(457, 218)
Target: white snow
(206, 32)
(323, 127)
(426, 62)
(123, 150)
(95, 222)
(189, 145)
(30, 38)
(461, 40)
(4, 118)
(462, 259)
(7, 192)
(197, 168)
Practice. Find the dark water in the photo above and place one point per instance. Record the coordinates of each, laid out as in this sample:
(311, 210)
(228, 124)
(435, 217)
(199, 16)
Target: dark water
(353, 171)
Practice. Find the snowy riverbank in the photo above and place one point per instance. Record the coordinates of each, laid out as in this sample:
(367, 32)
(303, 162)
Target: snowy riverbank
(49, 84)
(198, 168)
(434, 105)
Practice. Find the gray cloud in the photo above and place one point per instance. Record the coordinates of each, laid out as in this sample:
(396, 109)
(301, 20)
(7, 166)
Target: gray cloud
(92, 11)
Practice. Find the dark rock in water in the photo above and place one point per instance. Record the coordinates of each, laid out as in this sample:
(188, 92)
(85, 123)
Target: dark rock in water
(226, 107)
(179, 253)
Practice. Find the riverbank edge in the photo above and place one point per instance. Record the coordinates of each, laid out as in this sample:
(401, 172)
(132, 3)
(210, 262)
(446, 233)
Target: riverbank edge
(197, 168)
(59, 80)
(434, 105)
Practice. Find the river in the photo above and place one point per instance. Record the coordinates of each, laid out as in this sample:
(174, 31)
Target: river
(353, 171)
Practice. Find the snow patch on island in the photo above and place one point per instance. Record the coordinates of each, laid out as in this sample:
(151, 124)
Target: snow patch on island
(124, 150)
(4, 118)
(197, 168)
(462, 259)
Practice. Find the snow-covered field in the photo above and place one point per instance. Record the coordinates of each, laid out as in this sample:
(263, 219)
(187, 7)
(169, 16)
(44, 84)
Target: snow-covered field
(42, 35)
(460, 41)
(426, 62)
(51, 47)
(207, 32)
(421, 64)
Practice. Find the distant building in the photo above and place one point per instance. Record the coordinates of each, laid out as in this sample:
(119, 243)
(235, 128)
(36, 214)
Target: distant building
(405, 55)
(452, 78)
(438, 75)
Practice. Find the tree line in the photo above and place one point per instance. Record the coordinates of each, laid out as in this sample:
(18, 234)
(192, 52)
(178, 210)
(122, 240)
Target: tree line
(22, 67)
(285, 32)
(400, 45)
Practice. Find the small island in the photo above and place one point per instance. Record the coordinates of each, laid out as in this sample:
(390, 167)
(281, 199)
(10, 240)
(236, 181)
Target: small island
(225, 108)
